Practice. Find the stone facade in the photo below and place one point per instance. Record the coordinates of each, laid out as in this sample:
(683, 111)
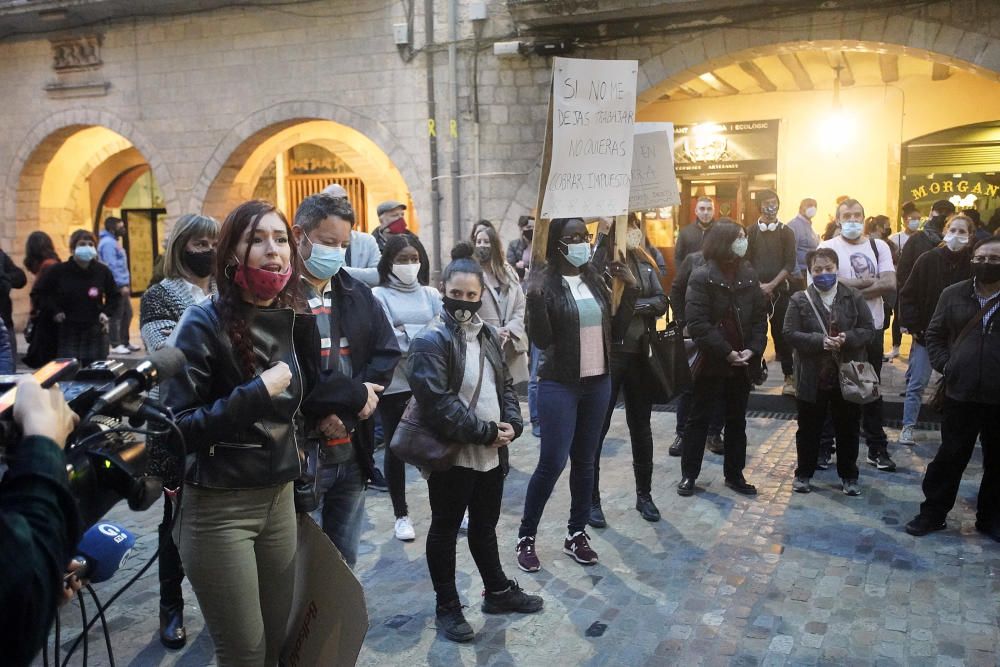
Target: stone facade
(197, 93)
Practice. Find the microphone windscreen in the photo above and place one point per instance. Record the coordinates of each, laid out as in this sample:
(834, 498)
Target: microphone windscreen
(106, 547)
(169, 361)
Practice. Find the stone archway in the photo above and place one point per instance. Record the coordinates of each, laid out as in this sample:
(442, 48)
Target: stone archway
(26, 173)
(229, 175)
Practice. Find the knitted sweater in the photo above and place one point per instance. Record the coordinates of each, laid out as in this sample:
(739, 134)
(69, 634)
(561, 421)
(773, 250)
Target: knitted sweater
(161, 308)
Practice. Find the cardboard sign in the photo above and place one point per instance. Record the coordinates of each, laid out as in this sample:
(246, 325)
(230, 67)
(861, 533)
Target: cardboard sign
(592, 115)
(329, 615)
(654, 183)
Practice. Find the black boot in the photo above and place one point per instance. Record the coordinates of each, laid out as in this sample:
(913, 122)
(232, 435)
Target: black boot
(172, 633)
(451, 622)
(597, 518)
(513, 599)
(644, 503)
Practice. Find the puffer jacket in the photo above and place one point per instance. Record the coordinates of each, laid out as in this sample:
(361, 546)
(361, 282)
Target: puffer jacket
(435, 366)
(710, 298)
(237, 435)
(553, 323)
(805, 334)
(934, 270)
(971, 369)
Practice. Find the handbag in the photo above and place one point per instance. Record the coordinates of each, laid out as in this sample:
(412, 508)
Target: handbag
(936, 402)
(667, 363)
(414, 442)
(859, 383)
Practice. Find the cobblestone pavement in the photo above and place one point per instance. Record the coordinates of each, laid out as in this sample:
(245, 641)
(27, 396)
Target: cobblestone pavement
(779, 579)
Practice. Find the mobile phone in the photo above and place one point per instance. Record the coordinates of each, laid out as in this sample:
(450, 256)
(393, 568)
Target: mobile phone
(47, 375)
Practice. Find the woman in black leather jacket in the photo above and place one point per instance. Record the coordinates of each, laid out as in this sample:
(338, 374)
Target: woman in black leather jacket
(569, 319)
(458, 376)
(251, 371)
(628, 373)
(727, 318)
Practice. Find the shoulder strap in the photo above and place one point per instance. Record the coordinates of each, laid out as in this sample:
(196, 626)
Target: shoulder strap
(874, 250)
(978, 318)
(812, 305)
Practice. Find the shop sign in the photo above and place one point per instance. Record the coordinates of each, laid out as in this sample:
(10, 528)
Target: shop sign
(712, 149)
(951, 186)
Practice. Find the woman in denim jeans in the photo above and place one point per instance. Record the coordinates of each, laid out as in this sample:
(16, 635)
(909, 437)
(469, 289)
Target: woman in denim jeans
(569, 319)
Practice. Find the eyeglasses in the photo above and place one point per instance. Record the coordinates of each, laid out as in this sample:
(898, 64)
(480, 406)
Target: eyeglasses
(986, 259)
(576, 238)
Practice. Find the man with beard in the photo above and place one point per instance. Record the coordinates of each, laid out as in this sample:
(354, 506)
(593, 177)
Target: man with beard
(691, 237)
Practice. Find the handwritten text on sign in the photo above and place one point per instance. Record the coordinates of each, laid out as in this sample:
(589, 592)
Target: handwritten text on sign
(592, 125)
(654, 184)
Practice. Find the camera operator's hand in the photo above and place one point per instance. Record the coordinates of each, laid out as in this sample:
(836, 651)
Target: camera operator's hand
(72, 584)
(43, 411)
(277, 378)
(59, 318)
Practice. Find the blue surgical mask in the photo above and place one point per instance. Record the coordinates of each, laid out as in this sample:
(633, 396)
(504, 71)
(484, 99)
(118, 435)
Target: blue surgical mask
(577, 254)
(325, 261)
(913, 224)
(85, 253)
(851, 230)
(740, 246)
(824, 282)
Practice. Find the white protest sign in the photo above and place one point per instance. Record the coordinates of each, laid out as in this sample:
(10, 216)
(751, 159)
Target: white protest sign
(593, 119)
(654, 184)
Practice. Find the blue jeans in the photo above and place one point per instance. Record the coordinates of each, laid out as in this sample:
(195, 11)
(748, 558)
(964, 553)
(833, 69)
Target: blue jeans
(918, 374)
(341, 505)
(535, 355)
(572, 415)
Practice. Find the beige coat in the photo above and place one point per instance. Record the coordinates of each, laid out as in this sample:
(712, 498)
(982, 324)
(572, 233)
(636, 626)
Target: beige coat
(512, 316)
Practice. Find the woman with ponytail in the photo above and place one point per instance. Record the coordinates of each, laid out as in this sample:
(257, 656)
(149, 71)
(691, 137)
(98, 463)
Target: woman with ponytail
(252, 370)
(457, 373)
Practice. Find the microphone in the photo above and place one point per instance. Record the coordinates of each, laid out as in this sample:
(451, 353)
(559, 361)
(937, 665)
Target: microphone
(104, 548)
(159, 366)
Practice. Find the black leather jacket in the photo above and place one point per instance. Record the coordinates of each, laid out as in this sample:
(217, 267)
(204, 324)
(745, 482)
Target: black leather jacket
(650, 303)
(553, 324)
(238, 436)
(435, 366)
(710, 298)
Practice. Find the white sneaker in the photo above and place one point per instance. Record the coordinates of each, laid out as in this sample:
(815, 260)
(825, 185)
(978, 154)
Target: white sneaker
(906, 436)
(134, 348)
(464, 528)
(404, 529)
(120, 349)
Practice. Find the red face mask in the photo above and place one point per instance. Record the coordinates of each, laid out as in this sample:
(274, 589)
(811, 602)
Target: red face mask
(396, 226)
(264, 285)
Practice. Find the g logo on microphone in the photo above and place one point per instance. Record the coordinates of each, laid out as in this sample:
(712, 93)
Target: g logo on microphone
(118, 535)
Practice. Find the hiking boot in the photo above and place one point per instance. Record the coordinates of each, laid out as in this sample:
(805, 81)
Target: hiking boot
(801, 485)
(922, 524)
(881, 460)
(511, 600)
(675, 446)
(450, 620)
(647, 509)
(527, 559)
(851, 487)
(577, 546)
(906, 436)
(597, 518)
(714, 444)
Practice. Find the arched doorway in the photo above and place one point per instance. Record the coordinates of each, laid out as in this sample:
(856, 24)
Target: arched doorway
(66, 179)
(286, 162)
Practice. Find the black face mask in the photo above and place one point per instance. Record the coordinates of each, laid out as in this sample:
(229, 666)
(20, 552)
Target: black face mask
(483, 253)
(986, 273)
(200, 263)
(461, 310)
(528, 233)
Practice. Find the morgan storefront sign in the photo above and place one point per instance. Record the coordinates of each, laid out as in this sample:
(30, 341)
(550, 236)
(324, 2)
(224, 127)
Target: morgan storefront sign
(709, 149)
(951, 186)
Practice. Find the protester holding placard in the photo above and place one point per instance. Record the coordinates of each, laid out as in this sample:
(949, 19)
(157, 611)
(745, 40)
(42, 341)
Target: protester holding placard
(569, 318)
(628, 371)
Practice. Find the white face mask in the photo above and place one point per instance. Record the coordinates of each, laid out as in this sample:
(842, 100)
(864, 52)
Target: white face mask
(811, 212)
(851, 230)
(955, 242)
(740, 246)
(406, 273)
